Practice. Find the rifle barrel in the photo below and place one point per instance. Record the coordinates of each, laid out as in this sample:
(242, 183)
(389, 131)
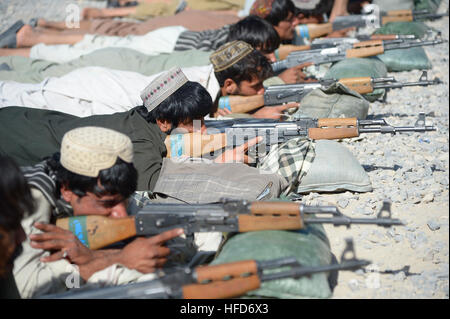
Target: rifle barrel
(297, 272)
(344, 220)
(398, 129)
(396, 85)
(410, 44)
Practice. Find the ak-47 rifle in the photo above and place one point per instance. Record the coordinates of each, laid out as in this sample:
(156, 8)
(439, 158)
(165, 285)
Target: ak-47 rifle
(405, 15)
(285, 93)
(370, 18)
(227, 280)
(238, 131)
(231, 133)
(226, 216)
(345, 43)
(360, 50)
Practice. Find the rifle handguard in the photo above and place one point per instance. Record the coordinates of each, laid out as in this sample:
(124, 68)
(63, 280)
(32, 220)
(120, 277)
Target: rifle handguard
(270, 208)
(220, 272)
(366, 44)
(221, 289)
(364, 52)
(332, 133)
(396, 18)
(383, 36)
(362, 85)
(336, 122)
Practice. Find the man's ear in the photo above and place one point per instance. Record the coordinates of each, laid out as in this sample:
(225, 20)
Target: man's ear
(230, 87)
(164, 125)
(66, 193)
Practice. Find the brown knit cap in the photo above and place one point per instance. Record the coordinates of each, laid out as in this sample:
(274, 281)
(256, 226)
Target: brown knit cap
(229, 53)
(87, 150)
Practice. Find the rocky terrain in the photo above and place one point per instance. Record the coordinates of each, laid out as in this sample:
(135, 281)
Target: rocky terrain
(412, 170)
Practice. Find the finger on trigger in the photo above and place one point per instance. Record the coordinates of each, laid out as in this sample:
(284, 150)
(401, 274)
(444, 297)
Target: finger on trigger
(165, 236)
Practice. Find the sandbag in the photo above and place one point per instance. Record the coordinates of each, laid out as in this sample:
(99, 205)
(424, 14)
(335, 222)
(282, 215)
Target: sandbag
(405, 59)
(334, 169)
(309, 246)
(417, 28)
(359, 67)
(199, 181)
(387, 5)
(334, 101)
(430, 5)
(291, 160)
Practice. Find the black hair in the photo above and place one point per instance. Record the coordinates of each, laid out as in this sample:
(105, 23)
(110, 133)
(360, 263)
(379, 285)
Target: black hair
(257, 32)
(15, 194)
(120, 179)
(191, 101)
(324, 6)
(280, 11)
(253, 64)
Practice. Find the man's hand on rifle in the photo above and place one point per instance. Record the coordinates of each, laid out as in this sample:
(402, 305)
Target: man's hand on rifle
(62, 243)
(147, 254)
(237, 154)
(340, 33)
(295, 74)
(222, 112)
(274, 112)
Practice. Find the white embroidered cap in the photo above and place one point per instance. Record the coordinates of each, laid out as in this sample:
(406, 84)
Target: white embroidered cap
(162, 87)
(87, 150)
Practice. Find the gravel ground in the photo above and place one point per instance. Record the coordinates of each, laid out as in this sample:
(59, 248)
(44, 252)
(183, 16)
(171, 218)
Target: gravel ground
(410, 169)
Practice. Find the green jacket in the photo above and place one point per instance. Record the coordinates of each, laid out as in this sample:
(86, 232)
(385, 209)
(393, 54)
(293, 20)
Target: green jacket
(29, 135)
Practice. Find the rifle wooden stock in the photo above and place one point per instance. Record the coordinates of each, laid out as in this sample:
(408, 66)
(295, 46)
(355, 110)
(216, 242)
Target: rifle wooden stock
(244, 104)
(335, 122)
(365, 51)
(285, 49)
(219, 272)
(332, 133)
(194, 144)
(362, 85)
(319, 29)
(99, 231)
(222, 289)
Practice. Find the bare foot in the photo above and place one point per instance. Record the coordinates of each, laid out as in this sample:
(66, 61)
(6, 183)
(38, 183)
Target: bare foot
(41, 23)
(16, 52)
(24, 36)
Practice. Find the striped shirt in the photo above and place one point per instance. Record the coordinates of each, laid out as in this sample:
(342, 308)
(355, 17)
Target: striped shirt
(40, 176)
(208, 40)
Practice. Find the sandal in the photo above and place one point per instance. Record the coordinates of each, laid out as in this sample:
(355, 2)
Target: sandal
(8, 38)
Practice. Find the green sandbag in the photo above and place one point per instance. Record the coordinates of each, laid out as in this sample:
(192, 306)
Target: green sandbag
(309, 246)
(335, 101)
(417, 28)
(430, 5)
(388, 5)
(405, 59)
(359, 67)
